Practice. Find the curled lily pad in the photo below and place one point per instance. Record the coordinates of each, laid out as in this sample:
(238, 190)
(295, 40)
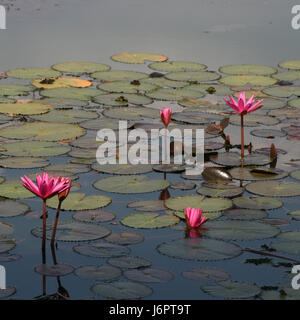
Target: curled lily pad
(80, 67)
(6, 244)
(128, 262)
(233, 159)
(122, 168)
(24, 107)
(122, 290)
(126, 86)
(131, 113)
(222, 193)
(9, 291)
(147, 205)
(118, 75)
(240, 230)
(149, 220)
(32, 73)
(35, 149)
(23, 162)
(138, 57)
(6, 229)
(94, 216)
(198, 76)
(102, 250)
(216, 175)
(14, 90)
(241, 80)
(283, 91)
(43, 131)
(247, 69)
(149, 275)
(253, 174)
(78, 201)
(200, 249)
(56, 270)
(295, 174)
(10, 208)
(71, 93)
(73, 231)
(175, 66)
(102, 272)
(268, 133)
(232, 290)
(130, 184)
(290, 64)
(290, 247)
(14, 189)
(245, 214)
(252, 120)
(206, 274)
(61, 83)
(125, 238)
(258, 203)
(274, 188)
(174, 93)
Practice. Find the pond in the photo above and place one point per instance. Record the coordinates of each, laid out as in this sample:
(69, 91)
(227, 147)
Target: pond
(124, 247)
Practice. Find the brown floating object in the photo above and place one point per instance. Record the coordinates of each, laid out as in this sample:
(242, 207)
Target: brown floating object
(217, 175)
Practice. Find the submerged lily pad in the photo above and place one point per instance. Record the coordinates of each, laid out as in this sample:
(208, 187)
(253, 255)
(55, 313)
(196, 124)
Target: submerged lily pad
(149, 220)
(242, 69)
(14, 189)
(128, 262)
(118, 75)
(73, 231)
(14, 90)
(253, 174)
(283, 91)
(233, 159)
(23, 162)
(122, 290)
(199, 76)
(6, 244)
(200, 249)
(102, 272)
(80, 67)
(232, 290)
(24, 107)
(206, 274)
(245, 214)
(137, 57)
(32, 73)
(71, 93)
(94, 216)
(125, 238)
(78, 201)
(175, 66)
(149, 275)
(274, 188)
(10, 208)
(259, 203)
(130, 184)
(220, 192)
(243, 79)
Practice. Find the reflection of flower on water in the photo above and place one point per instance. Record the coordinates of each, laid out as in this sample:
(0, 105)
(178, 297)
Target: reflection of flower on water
(194, 233)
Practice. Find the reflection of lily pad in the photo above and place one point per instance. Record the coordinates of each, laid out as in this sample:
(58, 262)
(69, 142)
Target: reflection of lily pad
(80, 67)
(102, 272)
(23, 162)
(149, 275)
(10, 208)
(125, 238)
(263, 203)
(241, 80)
(137, 57)
(130, 184)
(247, 69)
(32, 73)
(274, 188)
(199, 76)
(201, 249)
(206, 274)
(149, 220)
(128, 262)
(175, 66)
(117, 75)
(6, 244)
(232, 159)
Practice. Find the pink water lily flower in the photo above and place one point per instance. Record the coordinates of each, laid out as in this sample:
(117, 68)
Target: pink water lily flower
(165, 116)
(194, 217)
(242, 106)
(45, 186)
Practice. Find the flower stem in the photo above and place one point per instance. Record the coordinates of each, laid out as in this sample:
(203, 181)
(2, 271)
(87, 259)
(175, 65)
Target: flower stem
(165, 145)
(55, 223)
(44, 230)
(242, 138)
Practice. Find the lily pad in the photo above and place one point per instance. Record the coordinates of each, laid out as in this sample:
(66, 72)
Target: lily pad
(70, 168)
(197, 76)
(149, 220)
(122, 290)
(295, 174)
(285, 293)
(56, 270)
(61, 83)
(24, 107)
(43, 131)
(287, 76)
(14, 189)
(243, 79)
(149, 275)
(130, 184)
(257, 203)
(102, 272)
(220, 193)
(7, 100)
(128, 262)
(23, 162)
(290, 64)
(241, 69)
(274, 188)
(295, 214)
(78, 201)
(283, 91)
(240, 230)
(163, 82)
(32, 73)
(86, 143)
(206, 274)
(253, 174)
(268, 133)
(10, 208)
(252, 120)
(122, 99)
(6, 244)
(290, 247)
(211, 215)
(137, 57)
(9, 291)
(64, 103)
(125, 238)
(131, 113)
(270, 104)
(290, 235)
(6, 229)
(232, 290)
(73, 231)
(94, 216)
(66, 116)
(200, 249)
(245, 214)
(183, 186)
(80, 67)
(232, 159)
(174, 94)
(14, 90)
(196, 117)
(71, 93)
(294, 103)
(98, 124)
(171, 168)
(147, 205)
(126, 86)
(121, 169)
(175, 66)
(216, 89)
(7, 257)
(118, 75)
(102, 250)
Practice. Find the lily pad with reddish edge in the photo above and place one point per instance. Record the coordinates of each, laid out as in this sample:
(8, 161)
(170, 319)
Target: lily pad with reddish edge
(129, 262)
(61, 83)
(6, 244)
(233, 159)
(138, 57)
(257, 173)
(261, 203)
(219, 192)
(149, 275)
(102, 272)
(125, 238)
(274, 188)
(147, 205)
(206, 274)
(56, 270)
(94, 216)
(245, 214)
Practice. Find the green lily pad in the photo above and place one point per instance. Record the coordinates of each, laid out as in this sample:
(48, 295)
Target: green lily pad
(241, 69)
(175, 66)
(232, 159)
(149, 220)
(253, 174)
(122, 168)
(7, 100)
(80, 67)
(220, 192)
(119, 75)
(149, 275)
(73, 231)
(86, 143)
(268, 133)
(10, 208)
(32, 73)
(71, 93)
(245, 214)
(102, 123)
(274, 188)
(78, 201)
(147, 205)
(216, 89)
(102, 249)
(94, 216)
(183, 186)
(243, 79)
(6, 244)
(287, 76)
(131, 113)
(128, 262)
(84, 154)
(270, 104)
(9, 291)
(285, 112)
(259, 203)
(290, 247)
(163, 82)
(252, 120)
(6, 229)
(285, 293)
(137, 57)
(14, 90)
(283, 91)
(125, 238)
(174, 94)
(126, 86)
(122, 99)
(23, 162)
(130, 184)
(206, 274)
(295, 214)
(66, 116)
(232, 290)
(240, 230)
(43, 131)
(64, 103)
(196, 117)
(291, 64)
(24, 108)
(211, 215)
(122, 290)
(294, 103)
(56, 270)
(200, 249)
(295, 174)
(102, 272)
(14, 189)
(199, 76)
(35, 149)
(61, 83)
(70, 168)
(290, 235)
